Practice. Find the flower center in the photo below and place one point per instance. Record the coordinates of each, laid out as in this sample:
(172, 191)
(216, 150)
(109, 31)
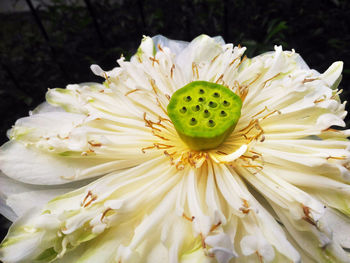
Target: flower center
(204, 114)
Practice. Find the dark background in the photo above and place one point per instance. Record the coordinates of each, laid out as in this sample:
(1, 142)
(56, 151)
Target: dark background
(54, 42)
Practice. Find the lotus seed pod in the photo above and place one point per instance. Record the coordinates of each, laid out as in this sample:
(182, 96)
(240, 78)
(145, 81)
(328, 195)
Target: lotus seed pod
(204, 114)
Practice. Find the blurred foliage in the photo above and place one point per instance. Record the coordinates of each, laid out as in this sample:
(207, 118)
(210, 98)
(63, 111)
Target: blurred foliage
(79, 36)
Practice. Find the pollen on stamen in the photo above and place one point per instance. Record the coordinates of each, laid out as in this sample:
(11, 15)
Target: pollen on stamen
(265, 82)
(95, 144)
(188, 218)
(162, 146)
(214, 227)
(164, 119)
(336, 157)
(172, 71)
(160, 48)
(220, 79)
(106, 77)
(204, 245)
(149, 123)
(242, 92)
(259, 154)
(154, 60)
(105, 213)
(161, 106)
(234, 60)
(309, 80)
(337, 94)
(212, 61)
(257, 114)
(245, 209)
(221, 152)
(92, 198)
(159, 136)
(195, 71)
(262, 137)
(253, 166)
(250, 157)
(254, 80)
(154, 86)
(269, 114)
(323, 98)
(307, 216)
(170, 155)
(147, 148)
(260, 257)
(242, 60)
(131, 91)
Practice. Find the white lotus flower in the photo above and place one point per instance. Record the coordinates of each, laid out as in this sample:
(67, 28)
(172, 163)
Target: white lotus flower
(100, 174)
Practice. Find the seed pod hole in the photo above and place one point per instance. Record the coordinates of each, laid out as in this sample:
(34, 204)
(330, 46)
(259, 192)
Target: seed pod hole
(226, 103)
(200, 99)
(201, 91)
(216, 95)
(206, 113)
(196, 108)
(183, 109)
(223, 113)
(193, 121)
(211, 123)
(212, 104)
(187, 98)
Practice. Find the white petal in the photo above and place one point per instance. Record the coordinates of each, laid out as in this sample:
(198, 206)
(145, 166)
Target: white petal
(6, 211)
(32, 166)
(21, 197)
(257, 244)
(222, 247)
(333, 73)
(338, 224)
(25, 247)
(45, 107)
(176, 46)
(97, 70)
(46, 124)
(201, 49)
(202, 222)
(315, 242)
(230, 157)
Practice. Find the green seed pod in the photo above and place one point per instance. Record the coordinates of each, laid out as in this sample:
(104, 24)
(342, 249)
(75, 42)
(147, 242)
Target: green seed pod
(204, 114)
